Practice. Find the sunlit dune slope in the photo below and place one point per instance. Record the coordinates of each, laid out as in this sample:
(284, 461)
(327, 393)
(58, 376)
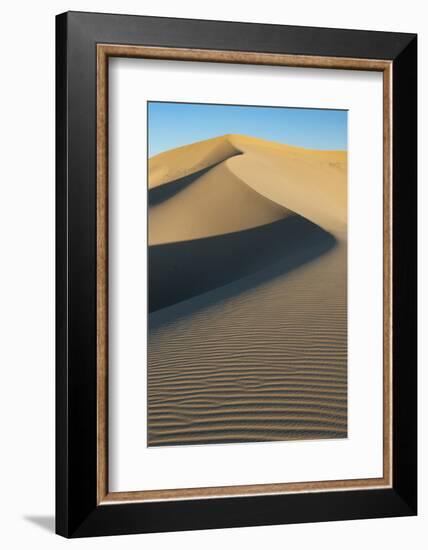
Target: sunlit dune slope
(309, 182)
(215, 203)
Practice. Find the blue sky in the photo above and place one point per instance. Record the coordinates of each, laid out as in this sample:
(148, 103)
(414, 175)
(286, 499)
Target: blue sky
(174, 124)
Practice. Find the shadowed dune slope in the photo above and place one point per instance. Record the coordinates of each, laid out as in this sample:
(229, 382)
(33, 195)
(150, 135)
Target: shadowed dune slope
(180, 270)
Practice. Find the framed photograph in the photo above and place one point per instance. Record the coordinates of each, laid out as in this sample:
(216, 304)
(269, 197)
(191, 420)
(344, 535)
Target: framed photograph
(236, 274)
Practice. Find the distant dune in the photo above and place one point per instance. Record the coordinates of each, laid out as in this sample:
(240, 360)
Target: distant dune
(247, 293)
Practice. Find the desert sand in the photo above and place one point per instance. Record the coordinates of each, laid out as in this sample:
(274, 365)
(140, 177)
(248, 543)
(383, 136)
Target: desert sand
(247, 293)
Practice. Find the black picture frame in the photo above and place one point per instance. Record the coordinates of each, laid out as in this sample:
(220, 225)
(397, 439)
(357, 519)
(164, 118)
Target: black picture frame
(78, 513)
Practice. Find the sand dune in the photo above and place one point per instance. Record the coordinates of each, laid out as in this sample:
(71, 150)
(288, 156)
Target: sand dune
(247, 289)
(306, 182)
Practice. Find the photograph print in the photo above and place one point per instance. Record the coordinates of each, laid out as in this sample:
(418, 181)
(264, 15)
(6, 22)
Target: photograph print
(247, 274)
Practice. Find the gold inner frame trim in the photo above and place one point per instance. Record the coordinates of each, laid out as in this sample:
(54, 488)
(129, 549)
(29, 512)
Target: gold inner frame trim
(104, 51)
